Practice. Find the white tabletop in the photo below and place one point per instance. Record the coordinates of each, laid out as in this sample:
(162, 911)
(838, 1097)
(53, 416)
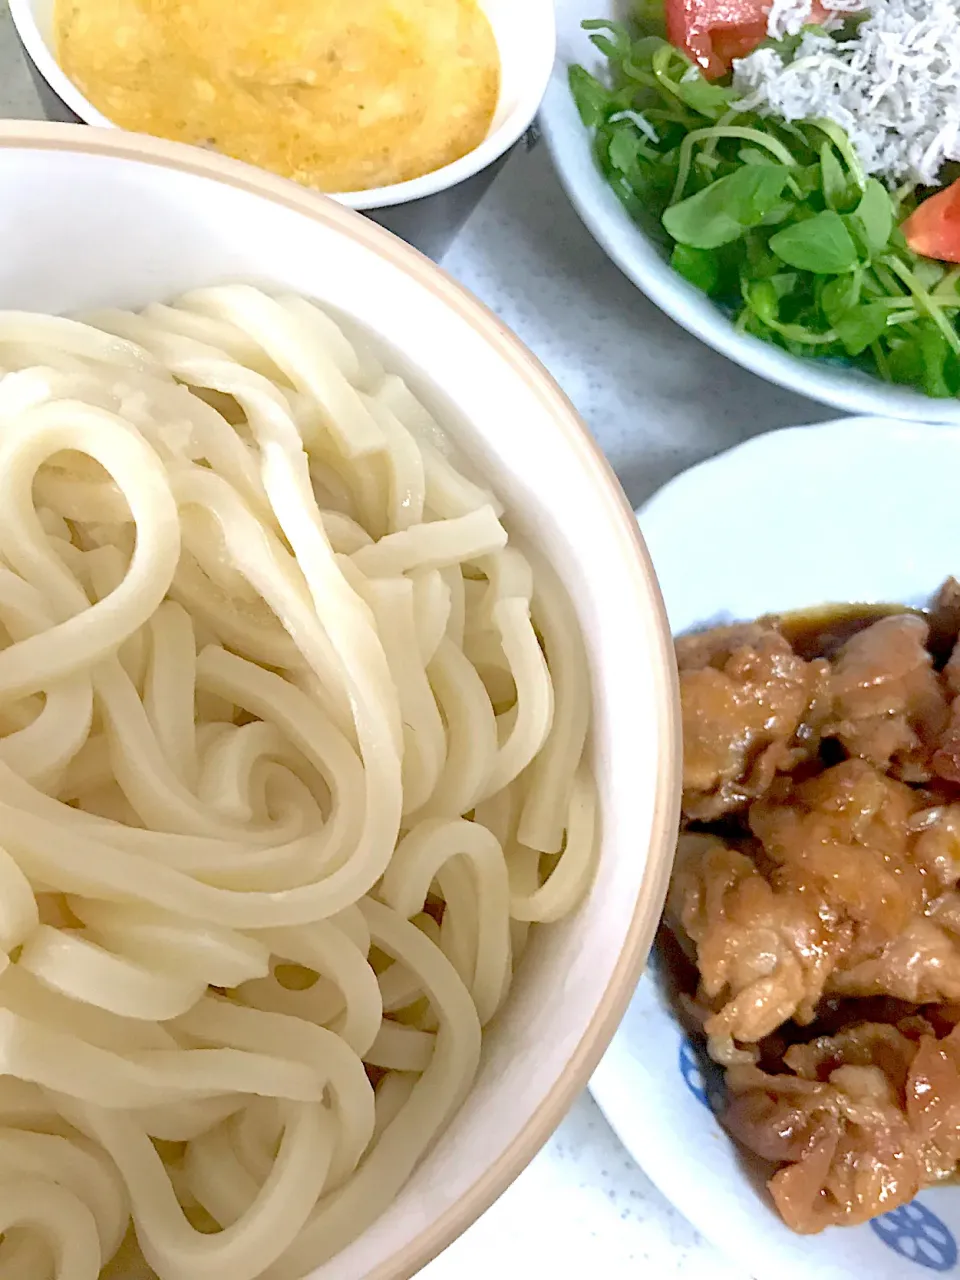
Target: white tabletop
(657, 401)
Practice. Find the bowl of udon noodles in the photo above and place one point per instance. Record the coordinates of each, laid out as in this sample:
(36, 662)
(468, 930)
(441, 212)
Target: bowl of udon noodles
(338, 739)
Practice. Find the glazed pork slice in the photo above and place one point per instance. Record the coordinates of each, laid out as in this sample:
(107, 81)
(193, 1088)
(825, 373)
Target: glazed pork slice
(859, 1123)
(763, 954)
(749, 711)
(847, 887)
(841, 1135)
(888, 704)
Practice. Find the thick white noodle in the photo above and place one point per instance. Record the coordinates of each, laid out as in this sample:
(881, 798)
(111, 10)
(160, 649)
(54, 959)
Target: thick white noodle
(293, 739)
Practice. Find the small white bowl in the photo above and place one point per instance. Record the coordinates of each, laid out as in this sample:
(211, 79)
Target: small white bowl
(92, 218)
(860, 510)
(525, 34)
(643, 261)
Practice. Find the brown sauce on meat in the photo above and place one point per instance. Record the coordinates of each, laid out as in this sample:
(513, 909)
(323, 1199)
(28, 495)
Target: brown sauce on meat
(812, 929)
(822, 632)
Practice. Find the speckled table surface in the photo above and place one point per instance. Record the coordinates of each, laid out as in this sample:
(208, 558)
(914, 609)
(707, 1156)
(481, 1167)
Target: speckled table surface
(657, 401)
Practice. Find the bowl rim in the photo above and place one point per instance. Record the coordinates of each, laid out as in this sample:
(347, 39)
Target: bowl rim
(631, 249)
(496, 144)
(572, 1079)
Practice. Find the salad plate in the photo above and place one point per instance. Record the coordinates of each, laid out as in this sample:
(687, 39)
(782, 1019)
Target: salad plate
(917, 372)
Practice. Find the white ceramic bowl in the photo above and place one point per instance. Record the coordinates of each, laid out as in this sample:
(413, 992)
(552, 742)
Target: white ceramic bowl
(643, 261)
(526, 39)
(90, 218)
(860, 510)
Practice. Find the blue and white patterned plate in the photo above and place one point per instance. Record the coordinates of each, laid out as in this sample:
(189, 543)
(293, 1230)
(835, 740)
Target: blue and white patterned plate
(861, 510)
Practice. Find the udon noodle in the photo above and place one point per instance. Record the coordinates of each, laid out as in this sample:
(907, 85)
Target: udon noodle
(292, 757)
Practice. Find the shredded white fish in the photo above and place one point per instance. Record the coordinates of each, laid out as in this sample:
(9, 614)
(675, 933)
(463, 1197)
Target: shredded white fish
(894, 87)
(640, 120)
(787, 17)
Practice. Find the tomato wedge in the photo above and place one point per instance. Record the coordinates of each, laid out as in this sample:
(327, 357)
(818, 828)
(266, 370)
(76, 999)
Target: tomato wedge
(933, 229)
(714, 32)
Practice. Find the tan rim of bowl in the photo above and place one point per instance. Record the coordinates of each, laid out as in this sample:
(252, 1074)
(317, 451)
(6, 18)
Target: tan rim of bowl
(493, 1181)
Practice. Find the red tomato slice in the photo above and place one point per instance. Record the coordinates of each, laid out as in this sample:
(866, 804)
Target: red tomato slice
(737, 42)
(933, 229)
(714, 32)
